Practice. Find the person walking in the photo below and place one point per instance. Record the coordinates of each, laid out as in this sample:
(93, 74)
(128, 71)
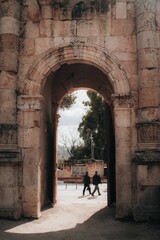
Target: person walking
(96, 181)
(86, 182)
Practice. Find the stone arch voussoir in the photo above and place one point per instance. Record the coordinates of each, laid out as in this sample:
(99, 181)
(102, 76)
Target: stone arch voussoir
(52, 59)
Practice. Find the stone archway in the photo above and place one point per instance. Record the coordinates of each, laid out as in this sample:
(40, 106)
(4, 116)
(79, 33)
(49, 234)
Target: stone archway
(31, 103)
(52, 59)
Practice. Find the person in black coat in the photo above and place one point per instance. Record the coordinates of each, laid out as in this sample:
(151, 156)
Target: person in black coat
(86, 181)
(96, 181)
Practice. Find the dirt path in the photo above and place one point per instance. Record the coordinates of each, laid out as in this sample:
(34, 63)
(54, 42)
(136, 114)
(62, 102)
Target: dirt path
(78, 217)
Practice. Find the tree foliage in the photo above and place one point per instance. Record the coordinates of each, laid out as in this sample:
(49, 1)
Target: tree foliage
(93, 125)
(68, 101)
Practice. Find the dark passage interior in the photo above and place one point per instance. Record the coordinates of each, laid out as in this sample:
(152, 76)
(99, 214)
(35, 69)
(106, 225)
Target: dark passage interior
(67, 79)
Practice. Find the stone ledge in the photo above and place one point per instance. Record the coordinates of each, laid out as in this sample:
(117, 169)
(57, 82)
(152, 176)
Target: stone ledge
(10, 156)
(146, 157)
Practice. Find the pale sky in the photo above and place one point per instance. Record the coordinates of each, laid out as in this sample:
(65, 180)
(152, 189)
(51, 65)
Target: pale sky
(70, 119)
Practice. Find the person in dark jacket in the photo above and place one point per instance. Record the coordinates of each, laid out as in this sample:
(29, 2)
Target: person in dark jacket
(96, 181)
(86, 181)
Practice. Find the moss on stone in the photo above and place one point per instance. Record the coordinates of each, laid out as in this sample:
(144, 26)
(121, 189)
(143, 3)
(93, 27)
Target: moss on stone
(79, 8)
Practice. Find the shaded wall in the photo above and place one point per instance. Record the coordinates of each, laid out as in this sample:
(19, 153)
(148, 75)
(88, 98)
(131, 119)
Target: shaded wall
(10, 155)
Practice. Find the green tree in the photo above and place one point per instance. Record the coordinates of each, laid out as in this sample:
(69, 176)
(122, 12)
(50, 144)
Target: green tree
(68, 101)
(93, 126)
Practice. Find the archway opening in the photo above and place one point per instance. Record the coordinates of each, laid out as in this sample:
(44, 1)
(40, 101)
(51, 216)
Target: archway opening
(67, 79)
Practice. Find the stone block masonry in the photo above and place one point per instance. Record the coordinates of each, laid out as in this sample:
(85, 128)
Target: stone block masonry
(49, 48)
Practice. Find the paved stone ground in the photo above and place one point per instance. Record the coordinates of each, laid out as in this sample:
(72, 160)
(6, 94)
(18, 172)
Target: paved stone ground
(77, 217)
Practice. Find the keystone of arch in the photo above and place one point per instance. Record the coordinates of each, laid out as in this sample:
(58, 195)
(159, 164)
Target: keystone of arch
(53, 58)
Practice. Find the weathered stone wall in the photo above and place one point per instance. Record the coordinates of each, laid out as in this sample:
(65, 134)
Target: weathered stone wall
(49, 25)
(113, 29)
(10, 159)
(147, 190)
(120, 38)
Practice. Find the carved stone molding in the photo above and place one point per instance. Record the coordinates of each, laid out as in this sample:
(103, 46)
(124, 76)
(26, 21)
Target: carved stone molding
(30, 102)
(146, 5)
(9, 156)
(146, 157)
(147, 12)
(125, 101)
(68, 9)
(149, 132)
(81, 53)
(79, 9)
(8, 134)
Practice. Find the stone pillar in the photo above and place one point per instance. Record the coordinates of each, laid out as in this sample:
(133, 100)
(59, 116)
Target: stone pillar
(10, 159)
(30, 141)
(122, 115)
(148, 78)
(147, 165)
(9, 42)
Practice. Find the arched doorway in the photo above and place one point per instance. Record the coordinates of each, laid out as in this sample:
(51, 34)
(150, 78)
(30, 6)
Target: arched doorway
(90, 148)
(55, 73)
(74, 76)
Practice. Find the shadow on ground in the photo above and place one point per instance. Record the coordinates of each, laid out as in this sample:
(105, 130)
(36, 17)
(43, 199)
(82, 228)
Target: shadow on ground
(100, 226)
